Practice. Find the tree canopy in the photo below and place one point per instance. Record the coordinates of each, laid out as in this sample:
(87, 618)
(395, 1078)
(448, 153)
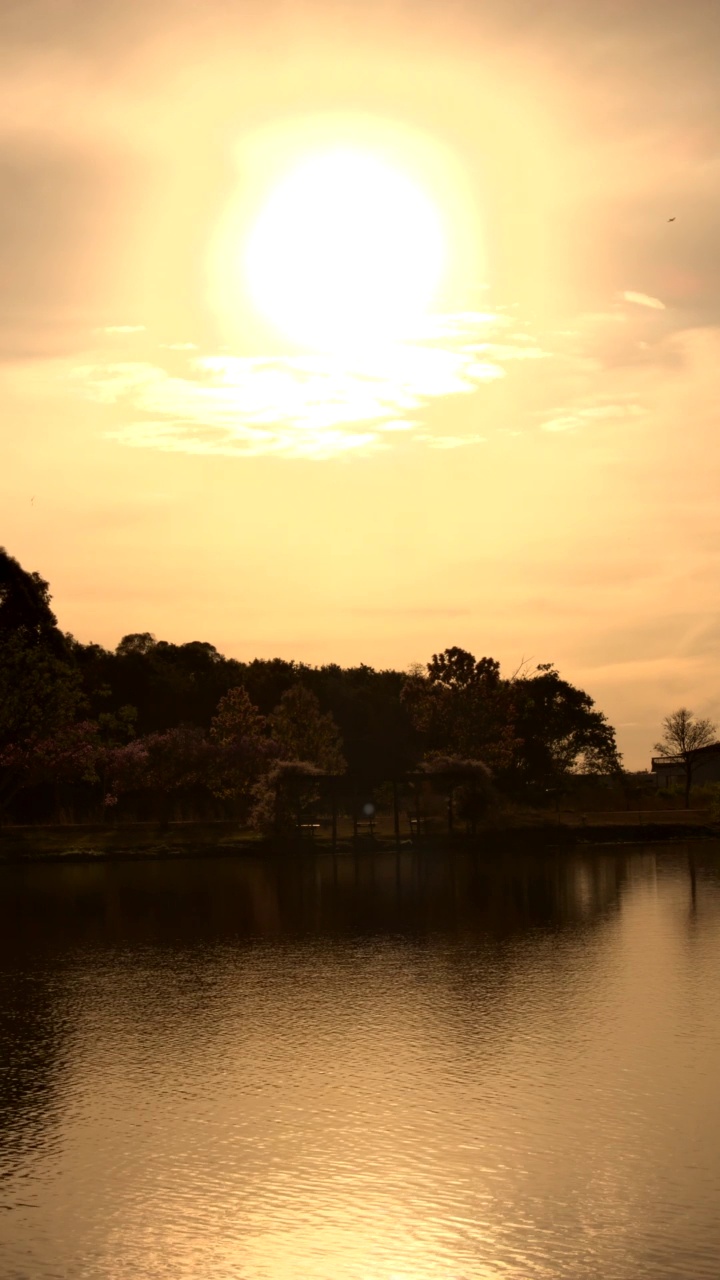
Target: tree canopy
(166, 716)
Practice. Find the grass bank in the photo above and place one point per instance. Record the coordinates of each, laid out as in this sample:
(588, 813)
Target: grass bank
(145, 840)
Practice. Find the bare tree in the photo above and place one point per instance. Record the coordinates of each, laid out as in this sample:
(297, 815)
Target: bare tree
(683, 736)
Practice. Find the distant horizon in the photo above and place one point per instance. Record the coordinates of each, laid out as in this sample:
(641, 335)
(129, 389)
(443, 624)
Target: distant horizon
(246, 653)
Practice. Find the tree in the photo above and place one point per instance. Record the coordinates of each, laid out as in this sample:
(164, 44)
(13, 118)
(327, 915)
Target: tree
(461, 707)
(25, 607)
(304, 733)
(176, 762)
(40, 693)
(467, 785)
(683, 737)
(559, 731)
(70, 754)
(139, 642)
(286, 796)
(242, 749)
(457, 669)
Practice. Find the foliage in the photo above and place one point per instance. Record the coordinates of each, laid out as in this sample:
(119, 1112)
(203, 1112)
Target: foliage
(532, 731)
(40, 689)
(559, 732)
(462, 707)
(39, 686)
(468, 785)
(69, 755)
(303, 732)
(286, 796)
(25, 607)
(174, 760)
(181, 717)
(242, 748)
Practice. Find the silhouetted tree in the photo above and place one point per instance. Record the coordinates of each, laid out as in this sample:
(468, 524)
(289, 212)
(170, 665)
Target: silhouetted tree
(25, 607)
(559, 732)
(40, 689)
(467, 785)
(141, 642)
(683, 737)
(149, 706)
(460, 706)
(173, 763)
(303, 732)
(242, 748)
(286, 796)
(69, 755)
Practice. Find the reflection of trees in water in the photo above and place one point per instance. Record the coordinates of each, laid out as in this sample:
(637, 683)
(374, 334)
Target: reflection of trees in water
(702, 872)
(50, 910)
(420, 892)
(198, 922)
(195, 901)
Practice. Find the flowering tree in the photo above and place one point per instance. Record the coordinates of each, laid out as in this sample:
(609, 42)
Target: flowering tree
(69, 755)
(170, 763)
(241, 748)
(124, 768)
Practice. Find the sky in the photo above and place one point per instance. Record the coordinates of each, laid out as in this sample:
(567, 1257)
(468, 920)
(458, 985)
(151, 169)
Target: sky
(494, 427)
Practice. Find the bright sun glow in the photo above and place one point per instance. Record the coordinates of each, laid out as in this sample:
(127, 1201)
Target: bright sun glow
(347, 250)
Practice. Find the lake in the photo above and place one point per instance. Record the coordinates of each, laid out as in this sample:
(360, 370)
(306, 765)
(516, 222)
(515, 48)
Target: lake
(373, 1068)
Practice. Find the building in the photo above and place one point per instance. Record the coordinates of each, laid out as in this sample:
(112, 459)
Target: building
(669, 770)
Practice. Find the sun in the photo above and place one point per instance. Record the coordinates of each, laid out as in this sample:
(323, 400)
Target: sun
(346, 250)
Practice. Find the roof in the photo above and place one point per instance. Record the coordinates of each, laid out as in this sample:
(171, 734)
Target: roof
(676, 762)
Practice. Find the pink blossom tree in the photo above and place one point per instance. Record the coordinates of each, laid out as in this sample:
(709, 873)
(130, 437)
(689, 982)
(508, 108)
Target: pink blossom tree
(242, 748)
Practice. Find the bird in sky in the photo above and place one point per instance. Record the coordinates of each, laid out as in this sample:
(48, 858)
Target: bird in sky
(671, 219)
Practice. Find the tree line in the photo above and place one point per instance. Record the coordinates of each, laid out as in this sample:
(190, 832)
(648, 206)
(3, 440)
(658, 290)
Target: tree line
(153, 728)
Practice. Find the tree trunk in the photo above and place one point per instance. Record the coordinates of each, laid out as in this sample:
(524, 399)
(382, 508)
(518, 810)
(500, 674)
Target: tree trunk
(688, 783)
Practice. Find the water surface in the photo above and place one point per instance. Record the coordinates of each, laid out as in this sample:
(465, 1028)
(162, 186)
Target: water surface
(372, 1069)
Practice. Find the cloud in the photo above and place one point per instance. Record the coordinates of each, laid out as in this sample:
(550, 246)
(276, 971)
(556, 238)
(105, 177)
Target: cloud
(451, 442)
(312, 405)
(583, 416)
(643, 300)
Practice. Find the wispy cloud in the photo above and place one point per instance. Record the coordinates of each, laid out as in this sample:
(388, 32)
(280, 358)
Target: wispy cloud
(450, 442)
(643, 300)
(587, 414)
(313, 406)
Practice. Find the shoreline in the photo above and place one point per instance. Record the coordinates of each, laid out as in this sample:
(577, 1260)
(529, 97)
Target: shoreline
(150, 843)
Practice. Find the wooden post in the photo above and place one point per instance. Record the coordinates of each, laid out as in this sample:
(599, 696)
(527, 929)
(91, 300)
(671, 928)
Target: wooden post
(333, 798)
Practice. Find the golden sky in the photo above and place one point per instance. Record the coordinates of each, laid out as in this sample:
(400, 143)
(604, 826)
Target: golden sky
(524, 462)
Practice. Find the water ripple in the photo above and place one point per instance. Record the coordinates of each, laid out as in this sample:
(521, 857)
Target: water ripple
(395, 1082)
